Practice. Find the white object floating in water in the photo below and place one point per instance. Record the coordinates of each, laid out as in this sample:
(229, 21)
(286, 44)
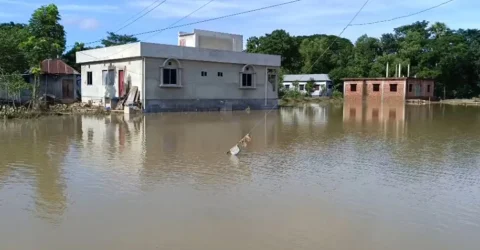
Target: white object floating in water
(235, 150)
(243, 142)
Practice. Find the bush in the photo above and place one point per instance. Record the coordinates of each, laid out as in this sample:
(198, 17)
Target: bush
(337, 94)
(293, 94)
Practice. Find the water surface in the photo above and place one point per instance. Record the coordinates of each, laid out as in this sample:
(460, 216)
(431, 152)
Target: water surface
(335, 177)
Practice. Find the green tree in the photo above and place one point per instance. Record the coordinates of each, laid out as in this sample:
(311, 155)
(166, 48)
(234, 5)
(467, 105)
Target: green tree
(12, 58)
(310, 87)
(46, 40)
(70, 56)
(279, 42)
(367, 49)
(322, 54)
(116, 39)
(295, 85)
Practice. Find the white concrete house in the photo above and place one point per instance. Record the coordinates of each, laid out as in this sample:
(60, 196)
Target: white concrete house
(323, 84)
(180, 78)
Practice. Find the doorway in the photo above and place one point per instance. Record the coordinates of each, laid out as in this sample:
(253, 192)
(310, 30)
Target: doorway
(418, 90)
(67, 88)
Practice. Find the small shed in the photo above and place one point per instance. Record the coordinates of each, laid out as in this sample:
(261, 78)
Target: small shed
(323, 84)
(59, 80)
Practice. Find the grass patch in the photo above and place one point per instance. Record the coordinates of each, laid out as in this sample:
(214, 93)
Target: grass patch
(300, 101)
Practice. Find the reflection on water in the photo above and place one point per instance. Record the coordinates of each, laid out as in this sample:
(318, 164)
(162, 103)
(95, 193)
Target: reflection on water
(368, 176)
(388, 117)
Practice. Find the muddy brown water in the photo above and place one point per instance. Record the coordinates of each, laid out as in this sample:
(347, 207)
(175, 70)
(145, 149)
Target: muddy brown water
(317, 177)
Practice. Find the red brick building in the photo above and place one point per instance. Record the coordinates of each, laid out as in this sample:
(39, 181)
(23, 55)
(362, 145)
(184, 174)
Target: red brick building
(389, 89)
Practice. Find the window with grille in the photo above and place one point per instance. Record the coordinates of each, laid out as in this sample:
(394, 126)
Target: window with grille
(89, 78)
(170, 76)
(247, 80)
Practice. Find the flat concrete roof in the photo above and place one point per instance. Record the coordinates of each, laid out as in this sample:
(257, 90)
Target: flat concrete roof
(154, 50)
(384, 79)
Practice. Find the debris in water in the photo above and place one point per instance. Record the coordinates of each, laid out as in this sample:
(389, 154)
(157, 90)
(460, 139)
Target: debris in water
(243, 142)
(234, 151)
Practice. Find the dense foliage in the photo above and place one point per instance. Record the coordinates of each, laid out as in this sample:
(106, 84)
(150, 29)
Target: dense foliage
(451, 57)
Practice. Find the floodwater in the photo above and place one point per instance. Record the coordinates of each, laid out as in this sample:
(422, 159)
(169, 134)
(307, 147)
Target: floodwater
(318, 177)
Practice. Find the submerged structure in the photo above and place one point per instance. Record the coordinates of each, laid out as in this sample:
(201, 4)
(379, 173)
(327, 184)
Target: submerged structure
(389, 89)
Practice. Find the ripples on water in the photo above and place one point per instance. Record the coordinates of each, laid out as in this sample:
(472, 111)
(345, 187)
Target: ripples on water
(336, 177)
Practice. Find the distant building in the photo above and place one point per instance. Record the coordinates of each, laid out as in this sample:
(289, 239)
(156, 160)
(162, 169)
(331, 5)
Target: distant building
(211, 40)
(394, 89)
(323, 84)
(181, 78)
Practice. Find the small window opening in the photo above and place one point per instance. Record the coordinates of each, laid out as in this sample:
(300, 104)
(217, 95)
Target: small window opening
(393, 87)
(353, 87)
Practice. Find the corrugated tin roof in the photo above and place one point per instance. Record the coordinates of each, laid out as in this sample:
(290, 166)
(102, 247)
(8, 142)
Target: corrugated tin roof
(316, 77)
(57, 67)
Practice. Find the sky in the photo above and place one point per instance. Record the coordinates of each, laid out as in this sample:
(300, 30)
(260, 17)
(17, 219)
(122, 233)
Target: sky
(89, 20)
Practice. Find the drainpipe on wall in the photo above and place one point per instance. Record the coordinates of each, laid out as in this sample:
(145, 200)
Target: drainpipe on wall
(266, 81)
(383, 84)
(143, 84)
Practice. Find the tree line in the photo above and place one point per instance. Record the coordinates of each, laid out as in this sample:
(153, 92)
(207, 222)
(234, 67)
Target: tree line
(451, 57)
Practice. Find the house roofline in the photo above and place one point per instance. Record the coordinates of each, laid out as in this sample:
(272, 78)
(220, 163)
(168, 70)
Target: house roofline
(384, 79)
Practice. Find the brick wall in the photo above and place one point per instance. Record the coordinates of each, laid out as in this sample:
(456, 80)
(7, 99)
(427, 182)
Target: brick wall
(353, 95)
(366, 90)
(393, 96)
(419, 89)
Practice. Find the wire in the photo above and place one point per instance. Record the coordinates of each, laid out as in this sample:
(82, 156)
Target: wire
(207, 20)
(146, 8)
(405, 16)
(128, 24)
(336, 38)
(188, 24)
(136, 19)
(179, 20)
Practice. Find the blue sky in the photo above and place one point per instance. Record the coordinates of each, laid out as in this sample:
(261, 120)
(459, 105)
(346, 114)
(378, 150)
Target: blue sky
(87, 20)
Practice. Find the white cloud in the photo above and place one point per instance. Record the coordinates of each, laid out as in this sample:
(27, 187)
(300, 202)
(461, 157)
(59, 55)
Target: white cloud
(84, 23)
(89, 24)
